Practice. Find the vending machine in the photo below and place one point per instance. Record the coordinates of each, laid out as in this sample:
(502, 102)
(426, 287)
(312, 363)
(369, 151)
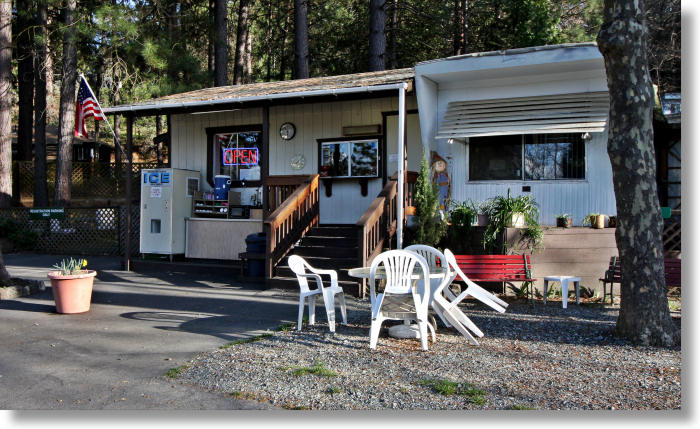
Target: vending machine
(166, 200)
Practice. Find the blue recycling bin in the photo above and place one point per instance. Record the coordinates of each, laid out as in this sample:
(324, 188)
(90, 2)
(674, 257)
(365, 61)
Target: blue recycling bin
(255, 243)
(222, 184)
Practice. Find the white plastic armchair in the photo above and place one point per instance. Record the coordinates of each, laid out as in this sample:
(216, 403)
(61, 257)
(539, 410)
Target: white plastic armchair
(299, 266)
(403, 298)
(451, 311)
(436, 258)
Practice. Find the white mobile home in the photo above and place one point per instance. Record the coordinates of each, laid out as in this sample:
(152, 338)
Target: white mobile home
(527, 120)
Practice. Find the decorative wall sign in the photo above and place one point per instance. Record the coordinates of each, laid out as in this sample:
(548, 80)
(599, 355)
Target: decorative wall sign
(297, 162)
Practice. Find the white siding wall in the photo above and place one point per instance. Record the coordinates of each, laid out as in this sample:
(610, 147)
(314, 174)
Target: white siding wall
(313, 121)
(576, 197)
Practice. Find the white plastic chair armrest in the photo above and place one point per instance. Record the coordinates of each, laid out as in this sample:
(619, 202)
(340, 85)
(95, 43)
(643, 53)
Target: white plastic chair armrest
(314, 276)
(332, 273)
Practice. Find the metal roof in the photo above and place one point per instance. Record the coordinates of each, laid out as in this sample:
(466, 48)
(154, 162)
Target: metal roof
(300, 88)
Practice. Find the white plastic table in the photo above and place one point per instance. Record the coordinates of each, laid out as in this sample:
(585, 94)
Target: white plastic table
(564, 280)
(405, 330)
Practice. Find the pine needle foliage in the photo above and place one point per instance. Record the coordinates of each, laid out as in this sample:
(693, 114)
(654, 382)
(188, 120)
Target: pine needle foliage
(430, 227)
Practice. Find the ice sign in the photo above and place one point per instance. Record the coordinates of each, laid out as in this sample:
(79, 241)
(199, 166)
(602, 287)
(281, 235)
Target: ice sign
(156, 178)
(240, 156)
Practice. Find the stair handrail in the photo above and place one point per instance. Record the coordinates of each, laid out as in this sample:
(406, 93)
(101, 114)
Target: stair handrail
(378, 224)
(288, 223)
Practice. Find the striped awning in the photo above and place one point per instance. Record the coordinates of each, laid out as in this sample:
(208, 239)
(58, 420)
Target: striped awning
(564, 113)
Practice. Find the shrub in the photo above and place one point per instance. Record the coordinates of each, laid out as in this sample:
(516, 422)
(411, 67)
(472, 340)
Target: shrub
(459, 230)
(430, 227)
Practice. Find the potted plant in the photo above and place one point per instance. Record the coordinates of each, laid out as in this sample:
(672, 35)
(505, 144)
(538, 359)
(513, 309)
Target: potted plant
(612, 222)
(72, 286)
(564, 220)
(482, 213)
(594, 220)
(508, 212)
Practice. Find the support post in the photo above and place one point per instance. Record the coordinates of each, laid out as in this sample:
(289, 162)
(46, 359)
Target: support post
(400, 174)
(127, 240)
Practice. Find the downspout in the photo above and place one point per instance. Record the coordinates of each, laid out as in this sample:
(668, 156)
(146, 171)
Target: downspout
(400, 184)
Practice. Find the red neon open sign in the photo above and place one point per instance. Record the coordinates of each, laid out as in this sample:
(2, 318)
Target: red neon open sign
(240, 156)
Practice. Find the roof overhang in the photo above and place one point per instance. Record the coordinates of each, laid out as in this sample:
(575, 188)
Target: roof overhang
(285, 92)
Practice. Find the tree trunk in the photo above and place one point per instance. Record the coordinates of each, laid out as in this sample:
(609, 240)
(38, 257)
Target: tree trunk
(66, 112)
(283, 48)
(25, 80)
(248, 56)
(239, 67)
(159, 145)
(377, 36)
(41, 193)
(173, 21)
(220, 43)
(4, 275)
(5, 105)
(301, 40)
(211, 66)
(394, 28)
(644, 316)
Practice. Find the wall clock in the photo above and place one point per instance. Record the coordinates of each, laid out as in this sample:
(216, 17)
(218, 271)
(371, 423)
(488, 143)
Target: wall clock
(287, 131)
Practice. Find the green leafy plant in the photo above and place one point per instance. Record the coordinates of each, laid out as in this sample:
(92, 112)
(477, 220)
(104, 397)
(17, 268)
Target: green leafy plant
(448, 388)
(317, 369)
(502, 209)
(430, 227)
(71, 266)
(564, 216)
(459, 230)
(588, 219)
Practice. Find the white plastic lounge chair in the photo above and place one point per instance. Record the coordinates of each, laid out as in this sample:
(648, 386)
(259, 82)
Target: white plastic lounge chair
(299, 266)
(436, 258)
(451, 311)
(403, 298)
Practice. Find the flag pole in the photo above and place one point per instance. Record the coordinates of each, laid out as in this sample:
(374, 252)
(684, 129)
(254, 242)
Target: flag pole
(119, 145)
(126, 265)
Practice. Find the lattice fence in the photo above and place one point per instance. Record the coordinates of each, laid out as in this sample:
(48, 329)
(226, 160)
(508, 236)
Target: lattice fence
(82, 231)
(89, 179)
(672, 235)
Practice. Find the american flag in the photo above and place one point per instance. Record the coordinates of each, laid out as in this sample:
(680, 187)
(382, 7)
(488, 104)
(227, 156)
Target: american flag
(86, 106)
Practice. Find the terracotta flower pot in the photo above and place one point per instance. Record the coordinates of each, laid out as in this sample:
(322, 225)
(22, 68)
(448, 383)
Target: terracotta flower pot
(73, 292)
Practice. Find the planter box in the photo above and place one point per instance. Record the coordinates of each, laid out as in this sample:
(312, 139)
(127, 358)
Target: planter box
(565, 223)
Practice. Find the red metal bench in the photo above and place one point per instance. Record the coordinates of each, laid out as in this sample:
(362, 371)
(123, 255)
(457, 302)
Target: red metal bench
(672, 271)
(498, 268)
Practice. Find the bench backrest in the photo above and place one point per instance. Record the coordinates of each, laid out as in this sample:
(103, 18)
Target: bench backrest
(672, 269)
(495, 267)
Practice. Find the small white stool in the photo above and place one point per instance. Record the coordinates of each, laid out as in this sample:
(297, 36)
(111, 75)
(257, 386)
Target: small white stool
(564, 280)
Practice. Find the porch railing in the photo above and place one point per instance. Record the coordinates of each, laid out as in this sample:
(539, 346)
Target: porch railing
(672, 234)
(291, 218)
(279, 188)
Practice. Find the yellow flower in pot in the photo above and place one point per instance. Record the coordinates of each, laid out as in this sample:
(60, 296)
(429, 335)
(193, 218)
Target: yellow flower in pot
(72, 285)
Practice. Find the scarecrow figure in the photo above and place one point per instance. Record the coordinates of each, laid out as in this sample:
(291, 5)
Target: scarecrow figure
(438, 167)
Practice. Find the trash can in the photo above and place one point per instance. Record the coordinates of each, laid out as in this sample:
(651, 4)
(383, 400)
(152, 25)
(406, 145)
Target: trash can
(255, 243)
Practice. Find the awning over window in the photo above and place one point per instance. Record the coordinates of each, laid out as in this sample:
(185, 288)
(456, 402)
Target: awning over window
(564, 113)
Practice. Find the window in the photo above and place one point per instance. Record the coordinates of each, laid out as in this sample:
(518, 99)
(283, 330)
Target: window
(359, 158)
(235, 152)
(527, 157)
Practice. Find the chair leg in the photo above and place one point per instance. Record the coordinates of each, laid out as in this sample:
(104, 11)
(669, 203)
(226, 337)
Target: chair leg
(374, 329)
(301, 313)
(423, 328)
(330, 308)
(312, 310)
(343, 309)
(564, 293)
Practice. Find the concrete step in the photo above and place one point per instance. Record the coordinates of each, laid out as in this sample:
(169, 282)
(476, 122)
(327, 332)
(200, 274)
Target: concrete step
(291, 283)
(328, 251)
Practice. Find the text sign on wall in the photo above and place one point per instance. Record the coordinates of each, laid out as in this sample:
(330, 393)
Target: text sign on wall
(156, 178)
(50, 213)
(240, 156)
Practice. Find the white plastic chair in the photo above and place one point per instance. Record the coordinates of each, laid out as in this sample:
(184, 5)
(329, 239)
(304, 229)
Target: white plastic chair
(451, 311)
(436, 258)
(299, 266)
(403, 298)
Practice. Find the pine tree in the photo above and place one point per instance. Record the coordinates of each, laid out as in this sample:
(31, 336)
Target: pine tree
(430, 225)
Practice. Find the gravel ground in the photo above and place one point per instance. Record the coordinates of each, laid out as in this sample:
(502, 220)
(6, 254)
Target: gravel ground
(544, 357)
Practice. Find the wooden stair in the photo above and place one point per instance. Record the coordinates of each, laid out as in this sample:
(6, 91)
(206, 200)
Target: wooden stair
(326, 247)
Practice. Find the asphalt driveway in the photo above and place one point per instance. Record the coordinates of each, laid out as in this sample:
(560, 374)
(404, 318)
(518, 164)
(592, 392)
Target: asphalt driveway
(139, 326)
